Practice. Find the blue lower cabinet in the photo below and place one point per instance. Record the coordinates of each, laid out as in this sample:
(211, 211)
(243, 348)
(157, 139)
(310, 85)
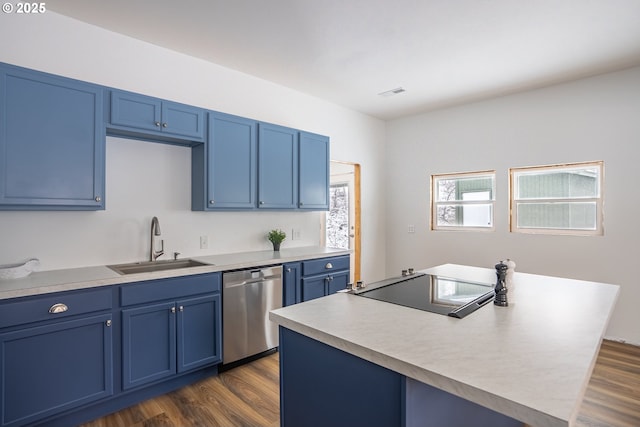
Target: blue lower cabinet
(52, 368)
(323, 276)
(291, 283)
(314, 287)
(199, 335)
(163, 339)
(148, 344)
(337, 282)
(323, 285)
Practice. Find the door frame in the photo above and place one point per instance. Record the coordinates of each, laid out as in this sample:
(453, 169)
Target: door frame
(355, 204)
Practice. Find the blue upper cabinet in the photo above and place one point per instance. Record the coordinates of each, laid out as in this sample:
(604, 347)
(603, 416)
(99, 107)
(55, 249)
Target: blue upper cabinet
(145, 117)
(227, 164)
(277, 167)
(51, 142)
(314, 172)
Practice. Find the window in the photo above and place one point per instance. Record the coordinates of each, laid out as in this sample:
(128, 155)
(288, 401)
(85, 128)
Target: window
(337, 221)
(463, 201)
(557, 199)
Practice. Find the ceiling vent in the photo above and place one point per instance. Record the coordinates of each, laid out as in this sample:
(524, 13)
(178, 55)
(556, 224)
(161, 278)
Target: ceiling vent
(392, 92)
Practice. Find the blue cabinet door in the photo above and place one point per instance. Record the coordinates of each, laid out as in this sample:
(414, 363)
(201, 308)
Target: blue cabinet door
(231, 162)
(313, 287)
(141, 116)
(136, 111)
(52, 368)
(314, 172)
(337, 282)
(277, 167)
(51, 142)
(183, 120)
(291, 284)
(148, 344)
(199, 332)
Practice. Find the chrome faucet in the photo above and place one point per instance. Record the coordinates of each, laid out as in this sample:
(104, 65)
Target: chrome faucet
(155, 231)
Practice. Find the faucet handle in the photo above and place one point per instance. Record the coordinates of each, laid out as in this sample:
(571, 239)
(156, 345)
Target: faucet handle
(175, 255)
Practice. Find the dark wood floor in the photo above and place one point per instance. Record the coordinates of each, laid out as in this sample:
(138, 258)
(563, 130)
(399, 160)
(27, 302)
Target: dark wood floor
(249, 396)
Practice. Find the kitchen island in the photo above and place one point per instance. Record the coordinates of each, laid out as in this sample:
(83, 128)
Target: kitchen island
(349, 360)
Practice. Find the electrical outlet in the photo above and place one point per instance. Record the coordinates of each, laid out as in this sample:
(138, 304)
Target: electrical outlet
(411, 228)
(204, 242)
(295, 234)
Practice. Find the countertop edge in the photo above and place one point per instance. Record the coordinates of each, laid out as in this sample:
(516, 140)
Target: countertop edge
(46, 282)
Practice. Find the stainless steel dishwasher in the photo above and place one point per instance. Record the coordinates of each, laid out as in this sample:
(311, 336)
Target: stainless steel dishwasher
(247, 298)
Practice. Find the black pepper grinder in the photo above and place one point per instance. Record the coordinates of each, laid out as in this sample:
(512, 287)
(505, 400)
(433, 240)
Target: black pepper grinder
(501, 286)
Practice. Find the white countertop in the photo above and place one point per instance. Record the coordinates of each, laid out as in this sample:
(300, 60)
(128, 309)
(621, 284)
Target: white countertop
(531, 361)
(44, 282)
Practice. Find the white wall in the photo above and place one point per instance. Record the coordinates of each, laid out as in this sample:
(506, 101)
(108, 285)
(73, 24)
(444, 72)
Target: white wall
(146, 179)
(591, 119)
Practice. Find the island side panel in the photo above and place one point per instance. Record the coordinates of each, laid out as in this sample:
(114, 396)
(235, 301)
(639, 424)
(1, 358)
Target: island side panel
(323, 386)
(427, 406)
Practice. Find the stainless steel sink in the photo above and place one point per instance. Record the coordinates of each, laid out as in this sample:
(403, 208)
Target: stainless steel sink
(150, 266)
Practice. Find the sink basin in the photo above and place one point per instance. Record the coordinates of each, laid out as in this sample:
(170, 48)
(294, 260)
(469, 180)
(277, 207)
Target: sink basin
(150, 266)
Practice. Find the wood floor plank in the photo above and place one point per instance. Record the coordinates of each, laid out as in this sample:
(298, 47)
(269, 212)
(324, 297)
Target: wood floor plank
(248, 395)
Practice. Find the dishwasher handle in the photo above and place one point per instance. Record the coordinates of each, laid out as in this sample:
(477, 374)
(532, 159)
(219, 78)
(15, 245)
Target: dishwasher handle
(251, 281)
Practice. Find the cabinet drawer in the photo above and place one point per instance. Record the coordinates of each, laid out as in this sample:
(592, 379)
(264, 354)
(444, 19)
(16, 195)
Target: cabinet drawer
(171, 288)
(325, 265)
(35, 309)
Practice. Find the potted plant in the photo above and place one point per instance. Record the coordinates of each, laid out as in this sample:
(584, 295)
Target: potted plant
(276, 236)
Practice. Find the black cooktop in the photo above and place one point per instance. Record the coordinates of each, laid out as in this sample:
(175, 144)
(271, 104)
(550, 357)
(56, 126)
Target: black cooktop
(437, 294)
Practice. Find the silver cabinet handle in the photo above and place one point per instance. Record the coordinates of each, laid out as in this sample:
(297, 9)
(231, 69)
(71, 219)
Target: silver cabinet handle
(210, 202)
(173, 309)
(98, 199)
(181, 308)
(157, 124)
(328, 266)
(58, 308)
(164, 125)
(108, 323)
(288, 270)
(261, 202)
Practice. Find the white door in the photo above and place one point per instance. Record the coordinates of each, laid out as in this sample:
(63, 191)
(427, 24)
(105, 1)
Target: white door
(339, 223)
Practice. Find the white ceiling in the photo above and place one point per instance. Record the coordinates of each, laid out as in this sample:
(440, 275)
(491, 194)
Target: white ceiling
(443, 52)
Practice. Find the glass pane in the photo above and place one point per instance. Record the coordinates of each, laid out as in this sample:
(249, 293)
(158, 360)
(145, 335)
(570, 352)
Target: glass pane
(457, 215)
(338, 217)
(569, 216)
(454, 189)
(558, 184)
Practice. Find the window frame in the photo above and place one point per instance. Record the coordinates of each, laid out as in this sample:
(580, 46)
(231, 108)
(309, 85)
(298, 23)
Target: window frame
(434, 203)
(599, 200)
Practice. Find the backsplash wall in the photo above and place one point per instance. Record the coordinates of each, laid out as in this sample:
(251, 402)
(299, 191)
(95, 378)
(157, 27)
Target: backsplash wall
(143, 180)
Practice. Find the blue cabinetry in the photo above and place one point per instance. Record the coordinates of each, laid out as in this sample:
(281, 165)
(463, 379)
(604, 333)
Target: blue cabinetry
(56, 354)
(163, 338)
(277, 167)
(291, 283)
(316, 278)
(313, 172)
(142, 116)
(51, 143)
(224, 169)
(293, 169)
